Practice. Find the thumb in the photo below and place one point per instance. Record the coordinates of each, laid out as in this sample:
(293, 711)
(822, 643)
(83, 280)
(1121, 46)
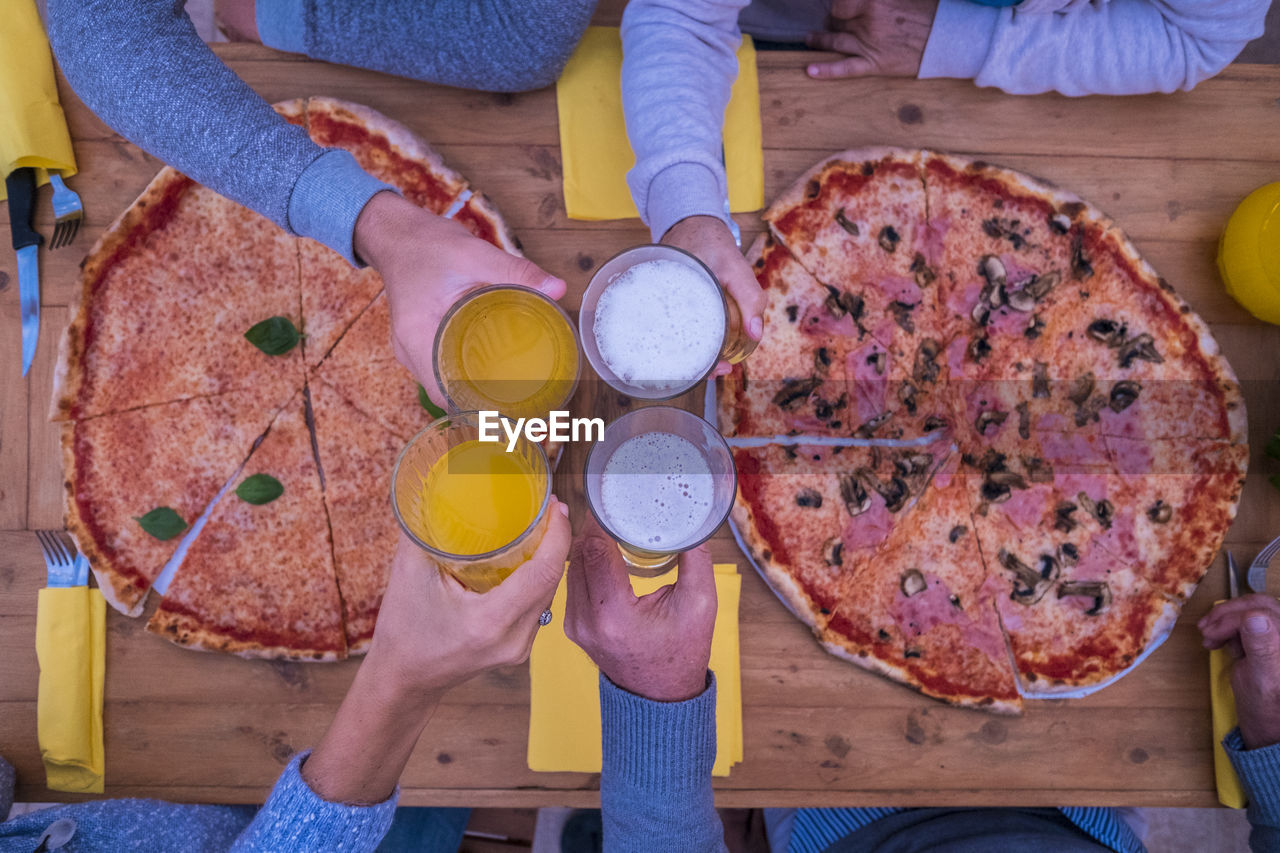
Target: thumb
(1260, 640)
(524, 272)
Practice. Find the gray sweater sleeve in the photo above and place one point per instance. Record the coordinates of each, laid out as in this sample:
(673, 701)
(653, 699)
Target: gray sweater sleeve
(1259, 774)
(141, 66)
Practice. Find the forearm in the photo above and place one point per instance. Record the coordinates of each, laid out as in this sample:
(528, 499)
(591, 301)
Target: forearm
(492, 45)
(141, 66)
(1259, 774)
(1121, 47)
(655, 779)
(679, 63)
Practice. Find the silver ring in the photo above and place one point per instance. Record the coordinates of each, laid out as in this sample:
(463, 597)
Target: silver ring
(545, 617)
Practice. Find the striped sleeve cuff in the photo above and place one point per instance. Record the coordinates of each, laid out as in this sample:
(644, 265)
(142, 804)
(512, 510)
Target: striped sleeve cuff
(297, 818)
(959, 40)
(679, 191)
(282, 25)
(1259, 772)
(662, 748)
(327, 200)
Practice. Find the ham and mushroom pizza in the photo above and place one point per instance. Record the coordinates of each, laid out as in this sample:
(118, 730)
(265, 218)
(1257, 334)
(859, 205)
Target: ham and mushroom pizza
(983, 449)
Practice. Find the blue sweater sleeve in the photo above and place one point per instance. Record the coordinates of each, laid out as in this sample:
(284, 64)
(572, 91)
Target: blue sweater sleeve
(141, 66)
(297, 818)
(1259, 772)
(655, 779)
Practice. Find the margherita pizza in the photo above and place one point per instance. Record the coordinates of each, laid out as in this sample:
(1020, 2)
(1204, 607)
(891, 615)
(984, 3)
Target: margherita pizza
(231, 405)
(983, 448)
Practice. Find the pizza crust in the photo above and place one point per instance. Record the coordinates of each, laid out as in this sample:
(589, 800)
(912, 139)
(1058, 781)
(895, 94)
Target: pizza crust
(183, 630)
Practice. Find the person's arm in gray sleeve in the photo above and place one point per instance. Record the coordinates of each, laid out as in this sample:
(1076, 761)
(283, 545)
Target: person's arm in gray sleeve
(142, 68)
(1259, 774)
(679, 63)
(1122, 47)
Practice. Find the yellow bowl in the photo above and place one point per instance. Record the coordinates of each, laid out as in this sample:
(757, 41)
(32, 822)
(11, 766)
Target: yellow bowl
(1249, 253)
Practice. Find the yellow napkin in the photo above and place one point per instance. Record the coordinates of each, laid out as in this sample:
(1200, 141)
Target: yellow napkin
(33, 130)
(71, 649)
(593, 133)
(564, 705)
(1223, 703)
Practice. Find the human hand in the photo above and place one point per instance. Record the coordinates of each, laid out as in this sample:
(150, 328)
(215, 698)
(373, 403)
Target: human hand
(433, 633)
(881, 37)
(657, 646)
(710, 240)
(428, 263)
(1249, 627)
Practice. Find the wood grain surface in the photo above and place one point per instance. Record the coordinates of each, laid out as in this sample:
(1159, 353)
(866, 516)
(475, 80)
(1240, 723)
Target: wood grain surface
(199, 727)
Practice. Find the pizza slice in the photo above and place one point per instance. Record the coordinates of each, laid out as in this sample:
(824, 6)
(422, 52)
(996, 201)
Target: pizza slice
(922, 612)
(132, 489)
(357, 456)
(258, 579)
(334, 295)
(169, 296)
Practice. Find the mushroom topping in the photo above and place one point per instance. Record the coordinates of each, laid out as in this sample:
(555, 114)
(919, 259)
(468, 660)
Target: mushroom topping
(992, 269)
(1007, 228)
(1069, 554)
(832, 551)
(1035, 328)
(809, 498)
(912, 582)
(907, 397)
(1024, 420)
(996, 493)
(924, 274)
(888, 238)
(1080, 266)
(868, 429)
(1102, 511)
(846, 223)
(795, 390)
(1160, 512)
(1021, 300)
(1011, 479)
(895, 492)
(793, 311)
(990, 461)
(1097, 590)
(838, 303)
(1059, 223)
(926, 366)
(955, 602)
(912, 652)
(1123, 395)
(1081, 388)
(878, 360)
(1088, 410)
(933, 422)
(913, 464)
(882, 635)
(855, 497)
(987, 418)
(1037, 469)
(902, 315)
(1139, 347)
(822, 359)
(1062, 519)
(1029, 585)
(1040, 380)
(981, 312)
(1040, 285)
(1107, 332)
(979, 348)
(956, 532)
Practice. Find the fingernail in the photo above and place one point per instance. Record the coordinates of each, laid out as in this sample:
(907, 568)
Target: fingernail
(563, 507)
(812, 70)
(1257, 625)
(755, 328)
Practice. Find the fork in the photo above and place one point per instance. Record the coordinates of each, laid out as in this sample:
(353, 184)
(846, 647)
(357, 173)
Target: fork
(1257, 578)
(67, 212)
(58, 558)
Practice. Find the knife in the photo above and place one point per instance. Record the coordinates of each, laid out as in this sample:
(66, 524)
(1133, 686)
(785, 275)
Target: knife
(21, 186)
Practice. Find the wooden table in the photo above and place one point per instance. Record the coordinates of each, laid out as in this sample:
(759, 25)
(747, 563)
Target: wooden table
(198, 727)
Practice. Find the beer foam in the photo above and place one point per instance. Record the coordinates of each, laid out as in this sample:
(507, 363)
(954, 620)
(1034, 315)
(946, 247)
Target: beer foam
(660, 324)
(656, 491)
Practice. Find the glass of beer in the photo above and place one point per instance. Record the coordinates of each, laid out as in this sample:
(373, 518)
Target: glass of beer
(509, 349)
(654, 321)
(660, 482)
(478, 509)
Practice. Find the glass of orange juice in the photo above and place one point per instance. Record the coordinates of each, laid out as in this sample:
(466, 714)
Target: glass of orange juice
(509, 349)
(477, 508)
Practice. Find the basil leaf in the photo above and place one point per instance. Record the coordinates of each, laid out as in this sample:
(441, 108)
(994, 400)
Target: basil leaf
(432, 409)
(162, 523)
(274, 335)
(1272, 447)
(259, 489)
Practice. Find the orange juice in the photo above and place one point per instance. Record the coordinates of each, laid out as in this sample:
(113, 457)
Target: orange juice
(478, 498)
(507, 349)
